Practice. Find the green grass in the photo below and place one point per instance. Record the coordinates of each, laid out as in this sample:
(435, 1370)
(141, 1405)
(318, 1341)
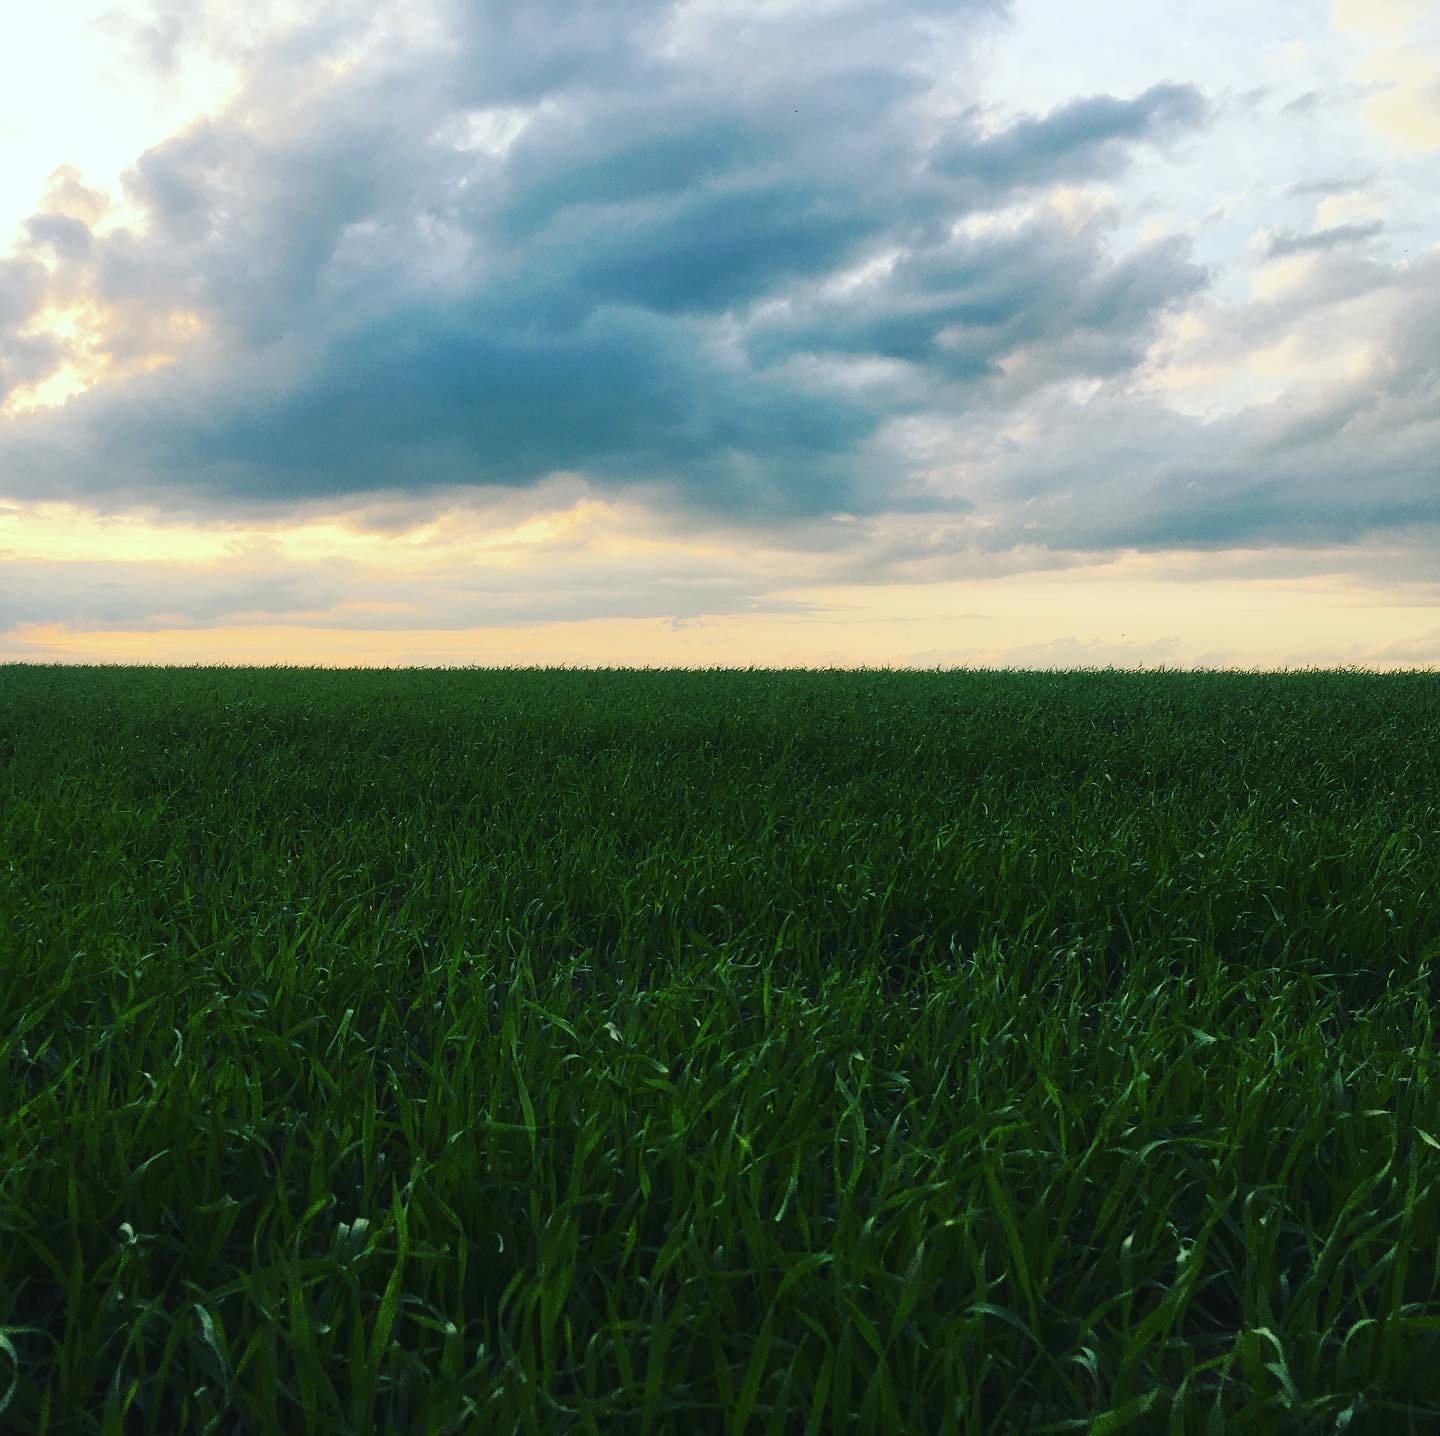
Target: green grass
(793, 1052)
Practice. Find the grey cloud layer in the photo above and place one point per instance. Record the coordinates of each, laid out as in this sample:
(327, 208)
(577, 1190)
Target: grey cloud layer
(22, 291)
(1333, 462)
(387, 309)
(959, 307)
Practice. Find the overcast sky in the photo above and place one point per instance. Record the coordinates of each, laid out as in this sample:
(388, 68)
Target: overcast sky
(923, 332)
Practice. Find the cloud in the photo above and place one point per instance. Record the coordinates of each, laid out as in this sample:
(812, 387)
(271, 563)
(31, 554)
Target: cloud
(522, 50)
(1305, 104)
(481, 568)
(67, 239)
(1091, 138)
(67, 196)
(332, 297)
(1040, 303)
(24, 357)
(22, 287)
(1348, 455)
(1330, 185)
(1288, 241)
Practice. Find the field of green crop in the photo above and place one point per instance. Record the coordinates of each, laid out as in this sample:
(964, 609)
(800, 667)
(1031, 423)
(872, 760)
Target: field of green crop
(765, 1051)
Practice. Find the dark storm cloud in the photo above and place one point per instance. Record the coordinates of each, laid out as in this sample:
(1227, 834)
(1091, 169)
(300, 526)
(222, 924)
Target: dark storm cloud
(635, 288)
(709, 250)
(824, 127)
(959, 307)
(567, 163)
(520, 51)
(474, 394)
(1091, 138)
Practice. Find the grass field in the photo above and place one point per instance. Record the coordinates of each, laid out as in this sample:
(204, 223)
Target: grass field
(767, 1051)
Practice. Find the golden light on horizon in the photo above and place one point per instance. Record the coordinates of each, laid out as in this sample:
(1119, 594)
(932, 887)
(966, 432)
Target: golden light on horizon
(66, 532)
(69, 532)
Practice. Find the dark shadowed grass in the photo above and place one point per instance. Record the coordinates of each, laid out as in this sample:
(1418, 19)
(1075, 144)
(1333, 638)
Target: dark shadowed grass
(699, 1051)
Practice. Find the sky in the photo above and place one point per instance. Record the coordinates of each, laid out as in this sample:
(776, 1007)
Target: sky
(924, 333)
